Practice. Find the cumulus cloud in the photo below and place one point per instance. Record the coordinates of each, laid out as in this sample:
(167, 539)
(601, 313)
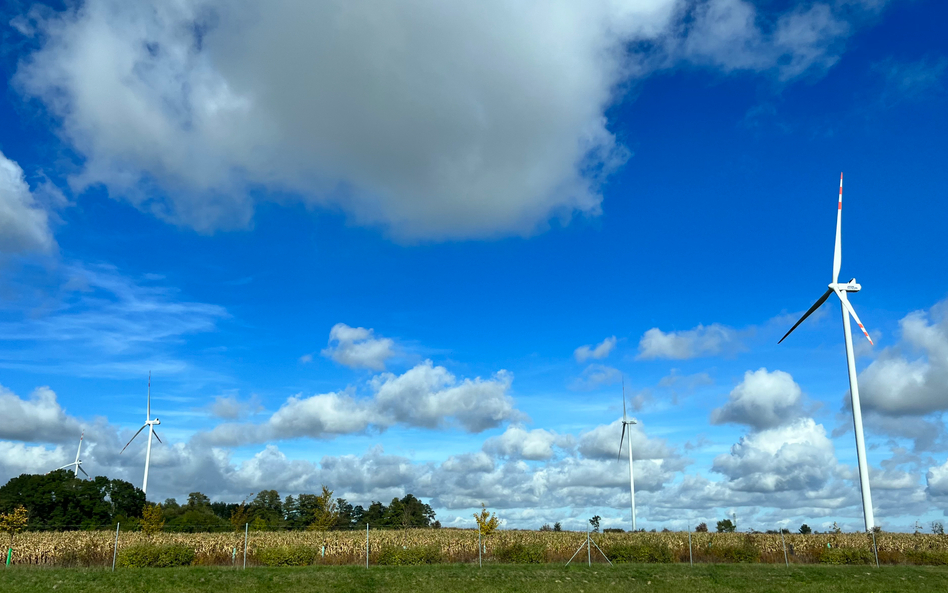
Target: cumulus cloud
(595, 376)
(24, 224)
(40, 419)
(230, 407)
(432, 120)
(357, 348)
(762, 400)
(937, 481)
(601, 350)
(911, 378)
(519, 443)
(602, 442)
(798, 456)
(701, 341)
(425, 396)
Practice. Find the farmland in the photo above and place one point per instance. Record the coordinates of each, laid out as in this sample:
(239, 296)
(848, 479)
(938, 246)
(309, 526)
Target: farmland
(94, 548)
(469, 578)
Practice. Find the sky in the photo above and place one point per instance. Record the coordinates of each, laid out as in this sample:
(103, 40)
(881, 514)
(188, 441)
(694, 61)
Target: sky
(423, 247)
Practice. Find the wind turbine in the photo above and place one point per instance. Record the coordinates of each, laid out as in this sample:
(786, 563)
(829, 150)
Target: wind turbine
(627, 423)
(77, 464)
(841, 291)
(151, 431)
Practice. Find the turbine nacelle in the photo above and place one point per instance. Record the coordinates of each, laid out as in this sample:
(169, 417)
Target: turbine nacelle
(851, 286)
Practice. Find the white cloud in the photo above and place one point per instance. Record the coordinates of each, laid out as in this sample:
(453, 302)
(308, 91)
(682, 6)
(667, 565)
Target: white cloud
(602, 442)
(40, 419)
(425, 396)
(937, 480)
(23, 222)
(703, 340)
(602, 350)
(519, 443)
(798, 456)
(762, 400)
(595, 376)
(897, 384)
(357, 348)
(230, 407)
(432, 120)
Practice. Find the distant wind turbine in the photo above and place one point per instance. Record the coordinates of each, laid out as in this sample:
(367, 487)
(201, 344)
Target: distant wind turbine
(841, 290)
(77, 464)
(151, 431)
(627, 423)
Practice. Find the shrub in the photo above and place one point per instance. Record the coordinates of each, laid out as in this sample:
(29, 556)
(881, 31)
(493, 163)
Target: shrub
(933, 557)
(745, 553)
(287, 556)
(639, 553)
(518, 553)
(846, 556)
(401, 556)
(155, 556)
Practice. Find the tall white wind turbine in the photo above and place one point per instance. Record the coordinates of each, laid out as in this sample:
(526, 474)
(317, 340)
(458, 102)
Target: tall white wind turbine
(627, 424)
(77, 464)
(150, 424)
(841, 291)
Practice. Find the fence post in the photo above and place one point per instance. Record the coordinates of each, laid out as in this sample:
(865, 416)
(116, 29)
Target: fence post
(366, 545)
(691, 558)
(115, 549)
(786, 558)
(9, 555)
(246, 533)
(875, 550)
(480, 563)
(589, 558)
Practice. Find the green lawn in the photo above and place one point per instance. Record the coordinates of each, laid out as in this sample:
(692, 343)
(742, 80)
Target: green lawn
(545, 579)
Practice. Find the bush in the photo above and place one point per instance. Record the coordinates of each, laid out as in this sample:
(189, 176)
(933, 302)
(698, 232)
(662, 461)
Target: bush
(846, 556)
(932, 557)
(147, 556)
(521, 554)
(287, 556)
(745, 553)
(639, 553)
(401, 556)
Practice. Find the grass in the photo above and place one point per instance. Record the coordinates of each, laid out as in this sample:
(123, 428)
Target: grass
(469, 578)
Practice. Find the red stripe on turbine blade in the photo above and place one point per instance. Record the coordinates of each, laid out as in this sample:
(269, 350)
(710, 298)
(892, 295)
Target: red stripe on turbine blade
(840, 206)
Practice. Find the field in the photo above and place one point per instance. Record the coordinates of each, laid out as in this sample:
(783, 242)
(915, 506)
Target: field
(94, 548)
(469, 578)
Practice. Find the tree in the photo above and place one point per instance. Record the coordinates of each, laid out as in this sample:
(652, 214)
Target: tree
(546, 527)
(938, 528)
(153, 520)
(14, 522)
(557, 526)
(594, 523)
(725, 526)
(326, 512)
(805, 529)
(487, 522)
(702, 528)
(240, 515)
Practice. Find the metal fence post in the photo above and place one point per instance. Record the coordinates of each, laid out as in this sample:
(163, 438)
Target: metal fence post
(366, 545)
(589, 558)
(480, 562)
(691, 558)
(115, 549)
(875, 550)
(784, 541)
(246, 534)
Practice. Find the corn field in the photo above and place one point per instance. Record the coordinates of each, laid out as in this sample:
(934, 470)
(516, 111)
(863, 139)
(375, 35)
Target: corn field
(95, 548)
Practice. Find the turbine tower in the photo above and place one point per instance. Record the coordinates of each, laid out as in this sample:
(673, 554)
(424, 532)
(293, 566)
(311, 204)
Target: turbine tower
(627, 424)
(77, 464)
(841, 291)
(151, 431)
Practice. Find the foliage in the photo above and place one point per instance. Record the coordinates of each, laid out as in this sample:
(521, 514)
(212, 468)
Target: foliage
(594, 523)
(649, 552)
(557, 526)
(287, 556)
(149, 556)
(59, 501)
(404, 556)
(702, 528)
(742, 553)
(725, 526)
(326, 512)
(487, 522)
(152, 519)
(546, 527)
(929, 557)
(846, 556)
(14, 522)
(938, 528)
(805, 529)
(520, 553)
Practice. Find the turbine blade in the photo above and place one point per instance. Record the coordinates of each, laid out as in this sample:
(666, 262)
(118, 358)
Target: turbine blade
(132, 439)
(852, 312)
(623, 398)
(838, 253)
(155, 432)
(65, 466)
(82, 470)
(619, 456)
(815, 306)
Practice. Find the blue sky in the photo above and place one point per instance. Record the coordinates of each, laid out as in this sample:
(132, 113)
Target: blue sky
(206, 192)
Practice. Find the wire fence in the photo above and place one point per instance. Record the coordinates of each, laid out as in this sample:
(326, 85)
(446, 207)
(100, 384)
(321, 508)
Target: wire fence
(246, 548)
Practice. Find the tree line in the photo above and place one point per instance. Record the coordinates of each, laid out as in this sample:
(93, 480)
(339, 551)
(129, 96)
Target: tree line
(59, 501)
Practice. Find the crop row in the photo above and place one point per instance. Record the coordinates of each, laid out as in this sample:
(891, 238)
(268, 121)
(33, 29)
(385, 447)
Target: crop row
(88, 548)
